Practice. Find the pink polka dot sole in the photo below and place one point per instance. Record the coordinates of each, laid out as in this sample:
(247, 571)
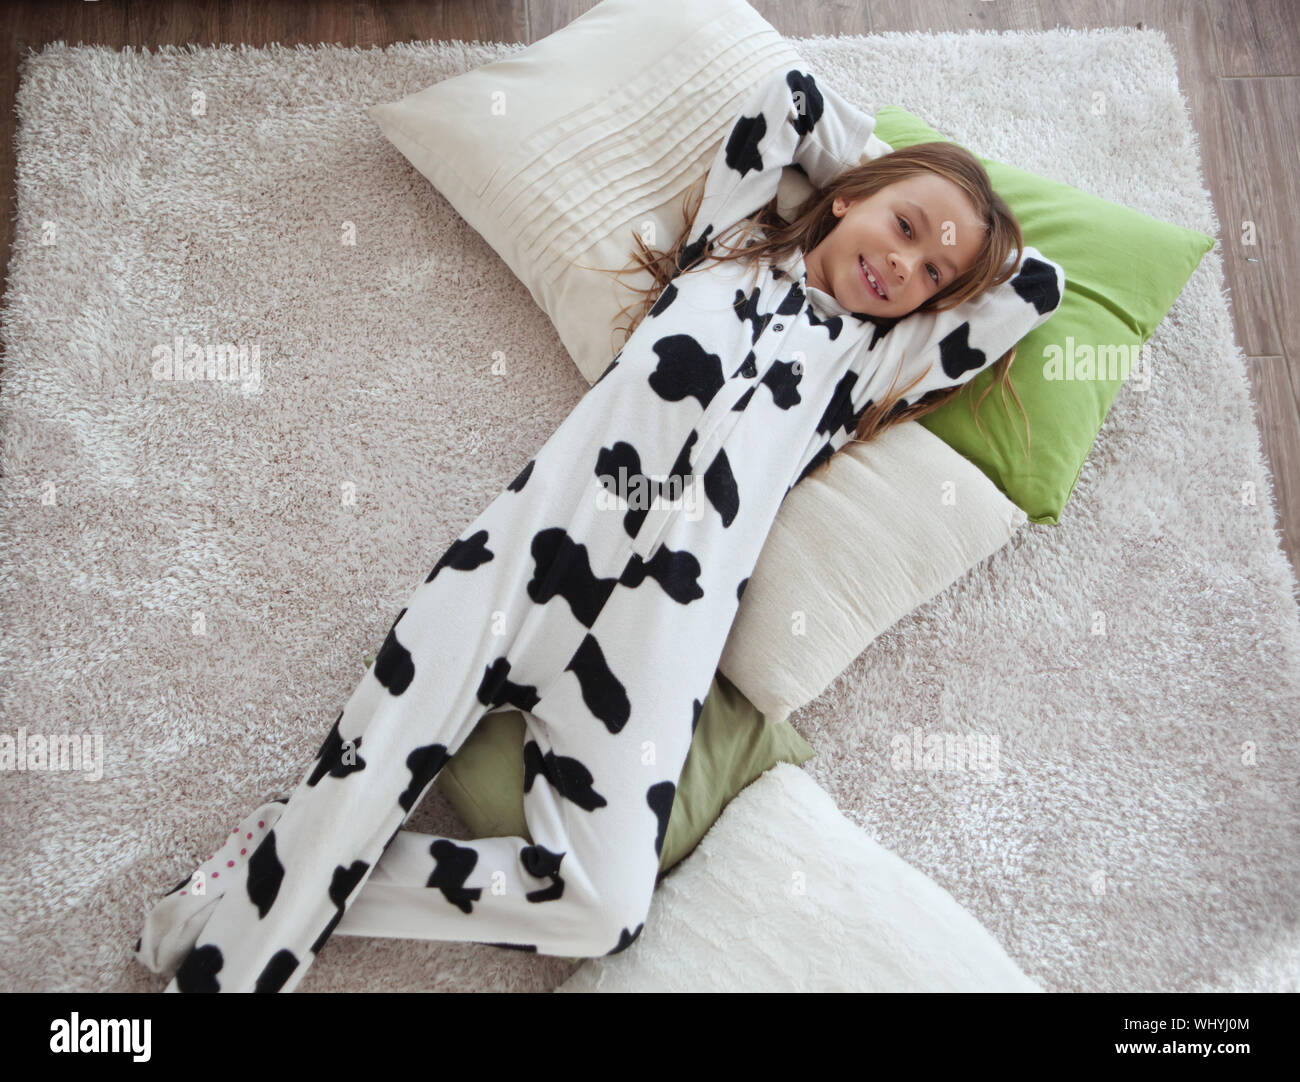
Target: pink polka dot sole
(210, 872)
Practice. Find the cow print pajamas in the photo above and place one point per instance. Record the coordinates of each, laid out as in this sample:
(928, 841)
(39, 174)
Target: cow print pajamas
(599, 617)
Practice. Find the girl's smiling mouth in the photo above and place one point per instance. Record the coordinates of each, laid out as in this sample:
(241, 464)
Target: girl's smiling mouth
(865, 269)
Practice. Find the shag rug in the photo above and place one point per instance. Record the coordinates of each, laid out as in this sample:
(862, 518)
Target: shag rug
(194, 570)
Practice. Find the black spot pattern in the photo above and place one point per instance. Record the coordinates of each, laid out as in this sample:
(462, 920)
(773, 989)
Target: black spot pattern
(337, 757)
(619, 469)
(423, 763)
(265, 874)
(198, 971)
(569, 777)
(1036, 283)
(277, 972)
(497, 688)
(541, 863)
(517, 485)
(721, 489)
(678, 573)
(626, 939)
(604, 695)
(563, 569)
(393, 666)
(452, 866)
(659, 797)
(342, 884)
(685, 370)
(473, 551)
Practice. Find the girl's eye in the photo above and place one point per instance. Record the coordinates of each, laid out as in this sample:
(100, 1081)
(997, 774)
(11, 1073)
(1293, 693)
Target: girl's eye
(907, 232)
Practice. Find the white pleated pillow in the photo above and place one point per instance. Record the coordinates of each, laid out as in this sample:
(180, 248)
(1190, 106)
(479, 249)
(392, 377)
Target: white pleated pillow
(558, 153)
(555, 155)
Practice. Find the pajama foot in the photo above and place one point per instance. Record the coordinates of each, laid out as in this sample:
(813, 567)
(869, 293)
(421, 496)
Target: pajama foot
(174, 923)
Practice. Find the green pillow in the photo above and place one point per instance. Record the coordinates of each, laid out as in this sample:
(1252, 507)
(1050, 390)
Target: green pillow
(732, 746)
(1123, 272)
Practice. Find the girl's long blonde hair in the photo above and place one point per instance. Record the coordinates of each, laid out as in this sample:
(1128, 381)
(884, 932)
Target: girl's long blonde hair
(814, 219)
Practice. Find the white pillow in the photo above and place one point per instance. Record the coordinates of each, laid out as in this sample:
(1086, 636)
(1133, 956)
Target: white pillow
(785, 894)
(558, 153)
(555, 154)
(892, 523)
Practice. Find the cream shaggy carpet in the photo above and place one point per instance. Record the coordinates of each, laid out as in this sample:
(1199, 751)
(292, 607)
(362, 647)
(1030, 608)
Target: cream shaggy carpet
(186, 577)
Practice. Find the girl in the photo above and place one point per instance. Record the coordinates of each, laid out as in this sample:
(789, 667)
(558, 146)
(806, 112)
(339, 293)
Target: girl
(595, 593)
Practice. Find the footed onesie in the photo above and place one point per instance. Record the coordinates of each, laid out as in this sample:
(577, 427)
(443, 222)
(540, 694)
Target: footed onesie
(594, 594)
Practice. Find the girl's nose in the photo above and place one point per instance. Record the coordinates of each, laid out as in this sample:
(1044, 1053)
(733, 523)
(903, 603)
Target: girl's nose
(900, 270)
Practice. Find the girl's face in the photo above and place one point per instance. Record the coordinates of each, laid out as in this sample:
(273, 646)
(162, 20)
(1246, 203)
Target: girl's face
(915, 235)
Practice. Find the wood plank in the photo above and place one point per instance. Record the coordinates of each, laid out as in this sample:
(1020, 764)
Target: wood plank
(196, 22)
(809, 20)
(545, 17)
(937, 15)
(1275, 388)
(1263, 122)
(261, 22)
(380, 24)
(1257, 37)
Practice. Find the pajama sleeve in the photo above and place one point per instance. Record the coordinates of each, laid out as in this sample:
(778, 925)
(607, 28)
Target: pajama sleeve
(789, 119)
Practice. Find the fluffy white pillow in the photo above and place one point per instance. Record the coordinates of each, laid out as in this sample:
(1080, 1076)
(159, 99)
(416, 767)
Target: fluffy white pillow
(891, 522)
(555, 154)
(788, 895)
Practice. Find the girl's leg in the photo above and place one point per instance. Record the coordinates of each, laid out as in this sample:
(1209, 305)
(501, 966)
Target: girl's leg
(174, 923)
(500, 614)
(590, 798)
(504, 891)
(372, 769)
(603, 754)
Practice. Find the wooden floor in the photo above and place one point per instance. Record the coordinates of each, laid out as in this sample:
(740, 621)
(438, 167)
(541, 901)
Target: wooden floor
(1238, 64)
